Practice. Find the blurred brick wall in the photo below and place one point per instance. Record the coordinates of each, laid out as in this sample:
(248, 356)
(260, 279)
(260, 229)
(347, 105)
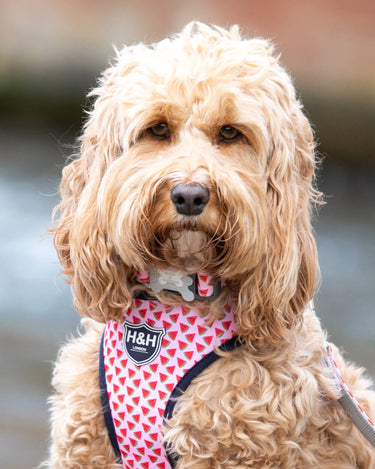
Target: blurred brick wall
(325, 43)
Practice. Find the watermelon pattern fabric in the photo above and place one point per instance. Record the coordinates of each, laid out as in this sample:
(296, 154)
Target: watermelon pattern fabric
(145, 356)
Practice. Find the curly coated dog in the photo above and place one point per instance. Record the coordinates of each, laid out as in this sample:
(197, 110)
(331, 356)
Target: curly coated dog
(184, 228)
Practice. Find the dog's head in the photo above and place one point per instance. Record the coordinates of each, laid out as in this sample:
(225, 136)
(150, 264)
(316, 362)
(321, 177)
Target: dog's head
(196, 156)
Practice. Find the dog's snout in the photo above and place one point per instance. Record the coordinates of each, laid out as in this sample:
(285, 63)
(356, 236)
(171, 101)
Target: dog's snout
(190, 199)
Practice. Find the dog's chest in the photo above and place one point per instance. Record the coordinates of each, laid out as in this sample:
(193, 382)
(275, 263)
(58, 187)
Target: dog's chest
(145, 357)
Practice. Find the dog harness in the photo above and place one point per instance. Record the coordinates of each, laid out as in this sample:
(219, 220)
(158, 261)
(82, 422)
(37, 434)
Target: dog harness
(147, 360)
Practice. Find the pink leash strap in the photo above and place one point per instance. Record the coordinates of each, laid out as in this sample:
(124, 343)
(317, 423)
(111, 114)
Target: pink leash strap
(349, 403)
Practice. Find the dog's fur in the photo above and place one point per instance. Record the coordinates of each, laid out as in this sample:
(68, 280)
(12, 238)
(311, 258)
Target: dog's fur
(271, 403)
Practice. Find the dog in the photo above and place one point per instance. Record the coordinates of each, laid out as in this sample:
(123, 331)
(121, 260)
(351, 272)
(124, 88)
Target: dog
(185, 230)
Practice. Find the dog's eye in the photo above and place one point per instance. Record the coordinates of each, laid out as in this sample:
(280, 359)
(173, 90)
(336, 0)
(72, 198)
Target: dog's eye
(160, 131)
(229, 134)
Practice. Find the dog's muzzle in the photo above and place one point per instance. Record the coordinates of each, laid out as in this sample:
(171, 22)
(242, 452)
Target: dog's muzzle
(190, 199)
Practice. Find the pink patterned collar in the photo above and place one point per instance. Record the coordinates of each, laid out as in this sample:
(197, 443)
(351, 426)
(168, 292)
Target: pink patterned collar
(190, 287)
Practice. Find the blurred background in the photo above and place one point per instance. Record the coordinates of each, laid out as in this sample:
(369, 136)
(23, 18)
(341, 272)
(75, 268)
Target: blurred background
(50, 56)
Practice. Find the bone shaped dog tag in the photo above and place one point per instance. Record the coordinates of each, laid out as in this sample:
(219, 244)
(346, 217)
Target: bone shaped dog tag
(171, 280)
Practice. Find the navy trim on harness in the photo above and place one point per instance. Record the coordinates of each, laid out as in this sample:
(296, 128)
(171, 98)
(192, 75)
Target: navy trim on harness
(181, 387)
(105, 403)
(185, 381)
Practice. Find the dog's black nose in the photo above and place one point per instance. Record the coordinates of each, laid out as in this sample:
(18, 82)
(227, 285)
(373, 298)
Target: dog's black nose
(190, 199)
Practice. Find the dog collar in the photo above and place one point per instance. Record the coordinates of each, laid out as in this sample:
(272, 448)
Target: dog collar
(198, 286)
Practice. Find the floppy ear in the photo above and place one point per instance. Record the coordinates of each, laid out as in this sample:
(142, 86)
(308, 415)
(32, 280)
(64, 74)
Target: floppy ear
(97, 275)
(273, 296)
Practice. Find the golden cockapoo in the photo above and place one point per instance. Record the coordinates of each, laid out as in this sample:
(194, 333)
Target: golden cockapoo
(196, 165)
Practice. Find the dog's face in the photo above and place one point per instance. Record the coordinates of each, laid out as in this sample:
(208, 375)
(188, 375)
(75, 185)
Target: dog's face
(197, 157)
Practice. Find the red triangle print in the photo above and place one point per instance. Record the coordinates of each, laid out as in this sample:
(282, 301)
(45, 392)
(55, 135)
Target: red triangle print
(184, 327)
(203, 277)
(154, 436)
(190, 337)
(121, 415)
(142, 312)
(149, 444)
(138, 435)
(170, 387)
(202, 330)
(145, 410)
(152, 420)
(192, 319)
(167, 325)
(153, 385)
(185, 310)
(131, 373)
(218, 332)
(152, 403)
(123, 431)
(145, 392)
(204, 292)
(136, 419)
(131, 426)
(137, 303)
(172, 335)
(146, 428)
(182, 345)
(116, 388)
(181, 362)
(119, 352)
(227, 324)
(163, 377)
(174, 317)
(112, 360)
(171, 352)
(208, 339)
(165, 343)
(164, 359)
(189, 355)
(146, 374)
(121, 398)
(171, 369)
(117, 371)
(136, 400)
(161, 465)
(122, 380)
(162, 395)
(153, 305)
(154, 367)
(111, 334)
(200, 347)
(117, 422)
(129, 408)
(145, 465)
(136, 382)
(158, 315)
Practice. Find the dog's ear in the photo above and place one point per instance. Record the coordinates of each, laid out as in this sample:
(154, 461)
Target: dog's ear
(278, 290)
(98, 277)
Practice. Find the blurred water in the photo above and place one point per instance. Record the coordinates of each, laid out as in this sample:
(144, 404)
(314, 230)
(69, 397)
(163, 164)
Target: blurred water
(36, 311)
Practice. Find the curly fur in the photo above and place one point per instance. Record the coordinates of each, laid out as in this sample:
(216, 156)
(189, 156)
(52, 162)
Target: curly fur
(271, 403)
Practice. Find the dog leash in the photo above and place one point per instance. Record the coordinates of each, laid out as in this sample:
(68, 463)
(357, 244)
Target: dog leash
(348, 402)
